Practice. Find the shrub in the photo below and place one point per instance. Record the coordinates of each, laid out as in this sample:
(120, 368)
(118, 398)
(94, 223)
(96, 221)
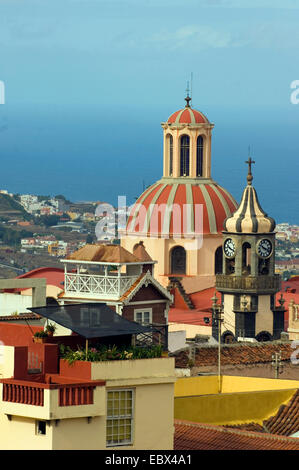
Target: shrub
(41, 334)
(109, 353)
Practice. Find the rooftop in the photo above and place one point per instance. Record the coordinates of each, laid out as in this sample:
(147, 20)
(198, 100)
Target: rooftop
(236, 353)
(197, 436)
(284, 423)
(103, 253)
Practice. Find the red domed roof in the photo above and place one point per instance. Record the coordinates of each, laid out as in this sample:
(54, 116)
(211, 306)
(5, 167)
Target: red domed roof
(187, 115)
(162, 210)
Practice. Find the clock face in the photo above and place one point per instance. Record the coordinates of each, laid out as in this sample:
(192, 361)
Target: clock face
(229, 248)
(264, 248)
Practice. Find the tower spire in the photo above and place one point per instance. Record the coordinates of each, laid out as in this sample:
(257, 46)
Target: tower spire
(187, 99)
(249, 175)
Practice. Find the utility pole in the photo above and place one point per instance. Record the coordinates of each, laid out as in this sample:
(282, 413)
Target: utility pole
(217, 319)
(277, 364)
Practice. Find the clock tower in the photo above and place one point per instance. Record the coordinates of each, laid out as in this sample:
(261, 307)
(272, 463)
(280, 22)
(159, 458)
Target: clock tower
(248, 283)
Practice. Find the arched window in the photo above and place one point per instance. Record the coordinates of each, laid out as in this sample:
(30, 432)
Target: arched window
(178, 260)
(246, 258)
(185, 155)
(170, 153)
(218, 260)
(199, 156)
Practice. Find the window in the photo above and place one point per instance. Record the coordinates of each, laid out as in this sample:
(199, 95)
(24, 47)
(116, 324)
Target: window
(119, 429)
(185, 148)
(178, 260)
(218, 260)
(41, 427)
(90, 317)
(199, 156)
(143, 316)
(169, 150)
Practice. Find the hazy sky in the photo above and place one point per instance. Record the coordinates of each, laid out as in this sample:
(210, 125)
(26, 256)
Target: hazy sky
(88, 82)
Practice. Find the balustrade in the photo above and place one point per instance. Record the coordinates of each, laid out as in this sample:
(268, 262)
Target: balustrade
(103, 286)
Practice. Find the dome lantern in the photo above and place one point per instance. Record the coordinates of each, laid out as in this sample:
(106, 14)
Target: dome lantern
(187, 144)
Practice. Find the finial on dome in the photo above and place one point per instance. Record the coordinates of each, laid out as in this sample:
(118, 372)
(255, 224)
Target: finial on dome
(187, 99)
(249, 175)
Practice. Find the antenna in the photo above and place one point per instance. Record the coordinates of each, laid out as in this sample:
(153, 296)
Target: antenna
(191, 86)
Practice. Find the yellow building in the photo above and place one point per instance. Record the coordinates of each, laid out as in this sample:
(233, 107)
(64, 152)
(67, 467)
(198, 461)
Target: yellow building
(48, 404)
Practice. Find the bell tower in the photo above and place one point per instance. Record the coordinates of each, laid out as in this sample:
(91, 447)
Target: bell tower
(248, 282)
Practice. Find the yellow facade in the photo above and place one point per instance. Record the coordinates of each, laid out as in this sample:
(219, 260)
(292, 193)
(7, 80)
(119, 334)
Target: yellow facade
(83, 427)
(243, 399)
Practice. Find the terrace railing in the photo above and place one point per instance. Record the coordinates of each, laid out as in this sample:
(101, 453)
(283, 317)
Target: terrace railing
(89, 285)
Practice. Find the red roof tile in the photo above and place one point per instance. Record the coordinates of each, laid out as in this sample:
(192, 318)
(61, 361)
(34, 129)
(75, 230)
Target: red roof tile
(197, 436)
(284, 423)
(235, 353)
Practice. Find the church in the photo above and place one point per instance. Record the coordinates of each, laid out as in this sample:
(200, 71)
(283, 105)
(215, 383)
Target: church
(180, 218)
(202, 239)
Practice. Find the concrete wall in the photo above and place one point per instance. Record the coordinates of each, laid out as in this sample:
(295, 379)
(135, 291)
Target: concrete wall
(176, 340)
(10, 303)
(19, 433)
(208, 385)
(152, 424)
(243, 399)
(233, 408)
(191, 330)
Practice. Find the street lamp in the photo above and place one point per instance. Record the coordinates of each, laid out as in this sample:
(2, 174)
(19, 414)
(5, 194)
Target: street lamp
(217, 319)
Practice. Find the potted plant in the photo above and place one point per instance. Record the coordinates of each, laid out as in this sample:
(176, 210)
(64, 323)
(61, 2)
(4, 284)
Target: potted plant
(40, 336)
(50, 329)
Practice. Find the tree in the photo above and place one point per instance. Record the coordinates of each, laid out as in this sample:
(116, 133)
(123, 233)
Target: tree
(49, 220)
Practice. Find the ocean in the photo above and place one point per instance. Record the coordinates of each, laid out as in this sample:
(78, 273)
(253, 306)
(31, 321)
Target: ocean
(94, 154)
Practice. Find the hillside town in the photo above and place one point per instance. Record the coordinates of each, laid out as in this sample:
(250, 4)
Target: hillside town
(107, 330)
(44, 229)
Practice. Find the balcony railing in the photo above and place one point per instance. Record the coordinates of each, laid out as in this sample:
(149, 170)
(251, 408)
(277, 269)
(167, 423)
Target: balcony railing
(261, 283)
(69, 395)
(95, 285)
(76, 395)
(25, 394)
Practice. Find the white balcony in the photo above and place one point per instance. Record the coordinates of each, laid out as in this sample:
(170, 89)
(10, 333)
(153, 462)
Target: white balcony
(99, 286)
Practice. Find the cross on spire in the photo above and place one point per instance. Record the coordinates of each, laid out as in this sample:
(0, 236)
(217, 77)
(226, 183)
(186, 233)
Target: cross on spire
(249, 175)
(187, 99)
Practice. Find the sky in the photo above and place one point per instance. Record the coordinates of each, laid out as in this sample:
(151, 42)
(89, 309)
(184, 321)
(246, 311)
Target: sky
(88, 82)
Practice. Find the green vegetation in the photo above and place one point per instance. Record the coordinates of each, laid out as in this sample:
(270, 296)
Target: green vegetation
(50, 328)
(9, 204)
(41, 334)
(63, 198)
(13, 237)
(109, 353)
(49, 220)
